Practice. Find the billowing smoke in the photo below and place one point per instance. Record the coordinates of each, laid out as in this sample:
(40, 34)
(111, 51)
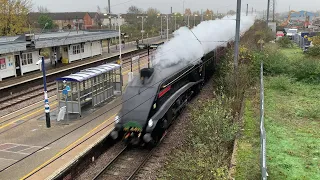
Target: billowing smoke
(184, 48)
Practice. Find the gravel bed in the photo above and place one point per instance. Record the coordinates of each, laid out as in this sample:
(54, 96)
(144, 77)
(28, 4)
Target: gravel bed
(25, 103)
(102, 161)
(175, 137)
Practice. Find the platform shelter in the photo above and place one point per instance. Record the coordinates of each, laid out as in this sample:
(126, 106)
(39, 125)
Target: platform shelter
(91, 86)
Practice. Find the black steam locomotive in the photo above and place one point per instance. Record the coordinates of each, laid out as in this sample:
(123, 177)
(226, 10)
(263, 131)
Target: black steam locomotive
(152, 101)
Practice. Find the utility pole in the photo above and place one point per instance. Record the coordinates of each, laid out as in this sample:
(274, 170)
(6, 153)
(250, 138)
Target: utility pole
(183, 11)
(167, 27)
(247, 10)
(120, 43)
(252, 11)
(201, 15)
(273, 10)
(142, 31)
(188, 21)
(237, 38)
(183, 7)
(268, 9)
(175, 21)
(109, 9)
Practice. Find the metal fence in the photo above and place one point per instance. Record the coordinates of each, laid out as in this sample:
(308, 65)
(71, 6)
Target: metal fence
(263, 157)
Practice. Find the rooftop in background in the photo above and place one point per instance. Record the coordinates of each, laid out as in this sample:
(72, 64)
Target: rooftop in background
(19, 43)
(60, 15)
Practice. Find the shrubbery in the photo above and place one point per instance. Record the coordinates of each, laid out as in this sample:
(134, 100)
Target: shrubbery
(314, 51)
(301, 69)
(306, 70)
(210, 136)
(285, 42)
(274, 62)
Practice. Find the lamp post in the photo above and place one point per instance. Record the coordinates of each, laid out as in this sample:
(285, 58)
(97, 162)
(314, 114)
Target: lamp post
(120, 43)
(194, 19)
(211, 15)
(167, 27)
(119, 25)
(159, 15)
(142, 31)
(46, 101)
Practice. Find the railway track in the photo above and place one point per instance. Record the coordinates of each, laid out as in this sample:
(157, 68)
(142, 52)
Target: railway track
(18, 98)
(127, 163)
(26, 95)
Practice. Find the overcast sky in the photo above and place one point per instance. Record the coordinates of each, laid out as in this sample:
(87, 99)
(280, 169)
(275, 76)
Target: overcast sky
(121, 6)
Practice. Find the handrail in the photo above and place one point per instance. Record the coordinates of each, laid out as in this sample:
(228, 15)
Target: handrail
(263, 137)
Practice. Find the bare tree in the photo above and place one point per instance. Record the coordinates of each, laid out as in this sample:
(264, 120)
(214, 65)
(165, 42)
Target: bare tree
(107, 10)
(134, 10)
(43, 9)
(98, 17)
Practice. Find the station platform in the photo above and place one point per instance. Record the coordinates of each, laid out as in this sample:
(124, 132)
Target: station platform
(50, 70)
(29, 150)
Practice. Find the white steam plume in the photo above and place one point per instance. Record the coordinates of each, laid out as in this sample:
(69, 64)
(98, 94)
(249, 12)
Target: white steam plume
(184, 48)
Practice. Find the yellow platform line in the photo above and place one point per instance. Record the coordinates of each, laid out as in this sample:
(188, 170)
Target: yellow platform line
(64, 150)
(23, 117)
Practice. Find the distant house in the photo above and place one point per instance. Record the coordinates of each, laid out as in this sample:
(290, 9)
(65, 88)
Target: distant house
(68, 20)
(112, 20)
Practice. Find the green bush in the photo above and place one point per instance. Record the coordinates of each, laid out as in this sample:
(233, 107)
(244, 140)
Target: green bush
(210, 138)
(274, 61)
(314, 51)
(282, 83)
(285, 42)
(306, 70)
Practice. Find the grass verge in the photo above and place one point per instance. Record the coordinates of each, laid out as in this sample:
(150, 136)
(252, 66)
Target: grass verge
(206, 154)
(292, 123)
(248, 147)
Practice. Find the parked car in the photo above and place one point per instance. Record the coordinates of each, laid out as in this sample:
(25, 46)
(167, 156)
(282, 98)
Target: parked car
(291, 33)
(279, 35)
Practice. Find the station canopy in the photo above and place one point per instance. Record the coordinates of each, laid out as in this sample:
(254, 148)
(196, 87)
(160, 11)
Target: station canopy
(89, 73)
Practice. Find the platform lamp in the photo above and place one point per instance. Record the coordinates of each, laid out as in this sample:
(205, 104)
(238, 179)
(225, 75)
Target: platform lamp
(46, 101)
(194, 19)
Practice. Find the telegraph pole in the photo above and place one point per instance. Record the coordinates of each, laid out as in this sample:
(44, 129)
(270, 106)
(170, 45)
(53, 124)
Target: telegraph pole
(237, 38)
(268, 9)
(109, 9)
(273, 9)
(247, 10)
(142, 31)
(167, 27)
(120, 43)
